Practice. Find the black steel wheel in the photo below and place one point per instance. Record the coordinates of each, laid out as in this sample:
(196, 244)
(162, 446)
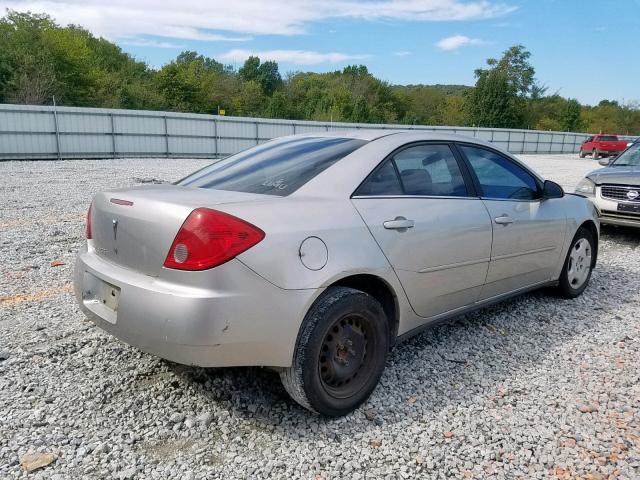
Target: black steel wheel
(340, 354)
(344, 355)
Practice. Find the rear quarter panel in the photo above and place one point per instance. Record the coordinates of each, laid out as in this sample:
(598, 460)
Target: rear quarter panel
(350, 247)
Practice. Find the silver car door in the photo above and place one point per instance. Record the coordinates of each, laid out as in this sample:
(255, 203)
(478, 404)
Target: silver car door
(435, 234)
(528, 231)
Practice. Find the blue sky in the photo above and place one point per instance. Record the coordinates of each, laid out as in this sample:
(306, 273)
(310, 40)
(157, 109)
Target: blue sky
(580, 49)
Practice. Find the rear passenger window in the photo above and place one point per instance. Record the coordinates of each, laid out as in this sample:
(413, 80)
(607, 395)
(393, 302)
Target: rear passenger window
(430, 170)
(425, 170)
(383, 181)
(500, 177)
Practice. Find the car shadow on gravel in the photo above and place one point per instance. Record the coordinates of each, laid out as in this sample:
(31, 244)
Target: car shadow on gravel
(452, 363)
(621, 235)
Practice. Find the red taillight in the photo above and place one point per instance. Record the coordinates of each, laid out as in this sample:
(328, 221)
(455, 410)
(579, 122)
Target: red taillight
(209, 238)
(88, 231)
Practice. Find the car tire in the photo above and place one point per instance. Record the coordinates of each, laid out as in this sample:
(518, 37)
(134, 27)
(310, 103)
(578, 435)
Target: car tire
(578, 265)
(340, 354)
(596, 154)
(582, 154)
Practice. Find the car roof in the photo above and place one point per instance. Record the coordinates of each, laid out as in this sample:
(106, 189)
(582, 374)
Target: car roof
(370, 134)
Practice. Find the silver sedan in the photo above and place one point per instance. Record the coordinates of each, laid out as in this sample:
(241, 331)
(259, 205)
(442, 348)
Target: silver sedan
(314, 254)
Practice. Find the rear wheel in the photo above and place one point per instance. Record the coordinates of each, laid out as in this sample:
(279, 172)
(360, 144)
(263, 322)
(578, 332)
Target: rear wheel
(340, 354)
(596, 154)
(582, 154)
(576, 272)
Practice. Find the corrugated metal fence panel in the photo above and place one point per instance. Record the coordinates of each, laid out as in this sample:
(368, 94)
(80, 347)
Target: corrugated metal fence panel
(27, 145)
(33, 132)
(270, 130)
(27, 121)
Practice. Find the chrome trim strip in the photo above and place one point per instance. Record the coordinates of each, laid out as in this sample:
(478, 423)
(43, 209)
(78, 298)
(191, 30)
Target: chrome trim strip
(535, 200)
(365, 197)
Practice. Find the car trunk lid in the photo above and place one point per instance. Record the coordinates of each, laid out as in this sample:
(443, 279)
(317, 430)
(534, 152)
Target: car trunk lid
(135, 227)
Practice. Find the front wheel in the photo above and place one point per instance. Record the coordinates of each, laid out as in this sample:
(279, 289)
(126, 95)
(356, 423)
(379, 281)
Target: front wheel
(596, 154)
(341, 352)
(582, 154)
(578, 265)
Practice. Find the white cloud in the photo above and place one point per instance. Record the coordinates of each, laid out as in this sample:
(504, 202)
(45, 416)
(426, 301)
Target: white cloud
(297, 57)
(402, 53)
(457, 41)
(145, 42)
(204, 19)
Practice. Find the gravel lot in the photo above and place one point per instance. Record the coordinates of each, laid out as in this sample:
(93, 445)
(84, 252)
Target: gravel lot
(534, 388)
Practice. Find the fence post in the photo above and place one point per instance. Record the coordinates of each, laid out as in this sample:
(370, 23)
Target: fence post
(55, 122)
(113, 135)
(257, 136)
(564, 141)
(166, 136)
(215, 136)
(294, 128)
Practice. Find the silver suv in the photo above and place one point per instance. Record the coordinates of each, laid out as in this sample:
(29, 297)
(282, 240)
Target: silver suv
(615, 189)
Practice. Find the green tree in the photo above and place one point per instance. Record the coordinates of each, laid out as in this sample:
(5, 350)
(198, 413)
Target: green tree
(452, 111)
(278, 106)
(571, 116)
(269, 77)
(249, 101)
(265, 74)
(494, 101)
(250, 71)
(499, 97)
(193, 83)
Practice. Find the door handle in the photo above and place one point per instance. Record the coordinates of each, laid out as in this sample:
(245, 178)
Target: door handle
(503, 219)
(399, 223)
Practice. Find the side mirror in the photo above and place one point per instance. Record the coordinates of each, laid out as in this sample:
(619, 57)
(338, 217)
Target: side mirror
(552, 190)
(605, 161)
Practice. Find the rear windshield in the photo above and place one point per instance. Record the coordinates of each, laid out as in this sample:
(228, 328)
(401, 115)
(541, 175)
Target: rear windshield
(608, 138)
(278, 167)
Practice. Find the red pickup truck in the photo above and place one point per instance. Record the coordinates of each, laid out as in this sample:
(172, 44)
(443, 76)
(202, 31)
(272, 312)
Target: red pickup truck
(602, 146)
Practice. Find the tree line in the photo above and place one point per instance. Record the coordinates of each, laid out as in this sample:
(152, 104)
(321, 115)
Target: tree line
(40, 60)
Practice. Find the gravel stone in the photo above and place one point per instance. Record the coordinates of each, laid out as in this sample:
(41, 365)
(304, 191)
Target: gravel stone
(509, 381)
(176, 418)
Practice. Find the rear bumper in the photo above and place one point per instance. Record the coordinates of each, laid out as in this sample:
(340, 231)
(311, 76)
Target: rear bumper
(610, 153)
(226, 316)
(603, 153)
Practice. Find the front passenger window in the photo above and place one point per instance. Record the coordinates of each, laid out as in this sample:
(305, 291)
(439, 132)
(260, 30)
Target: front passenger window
(499, 177)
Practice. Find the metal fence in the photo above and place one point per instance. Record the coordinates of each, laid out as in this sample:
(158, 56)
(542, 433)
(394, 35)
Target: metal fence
(42, 132)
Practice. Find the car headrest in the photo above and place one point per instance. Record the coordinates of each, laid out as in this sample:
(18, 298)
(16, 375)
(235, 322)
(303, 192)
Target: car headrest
(416, 181)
